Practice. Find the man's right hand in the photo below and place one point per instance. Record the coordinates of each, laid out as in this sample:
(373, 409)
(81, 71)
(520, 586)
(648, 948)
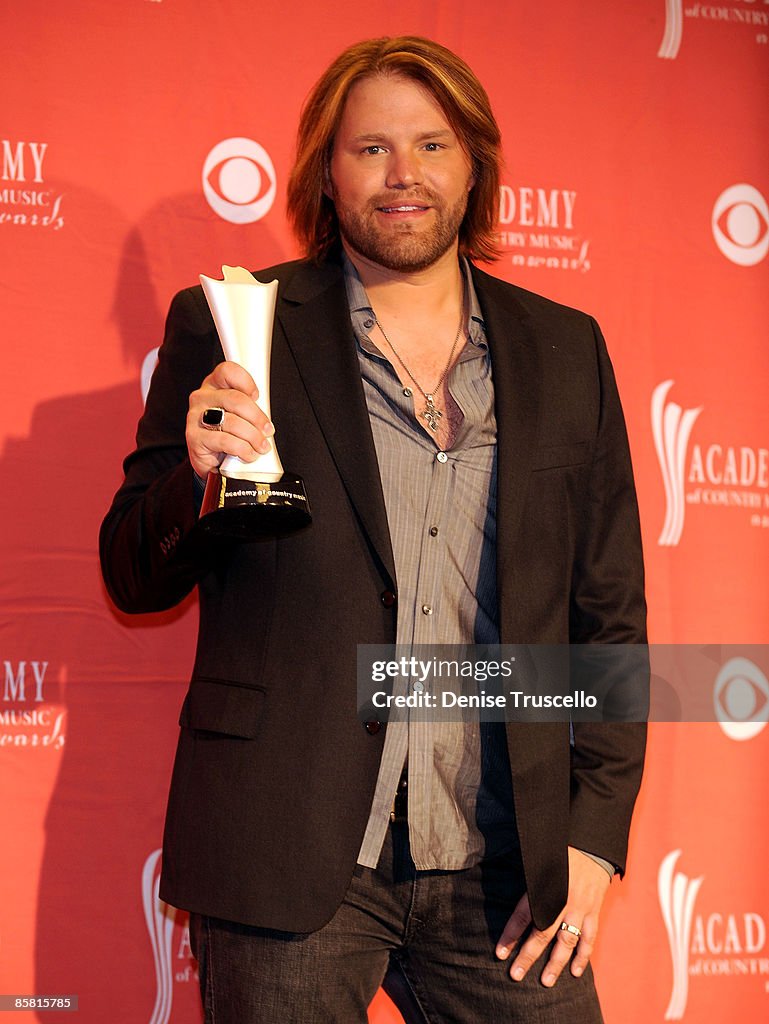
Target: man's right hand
(245, 428)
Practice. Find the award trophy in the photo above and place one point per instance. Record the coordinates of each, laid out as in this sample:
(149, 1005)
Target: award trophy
(247, 500)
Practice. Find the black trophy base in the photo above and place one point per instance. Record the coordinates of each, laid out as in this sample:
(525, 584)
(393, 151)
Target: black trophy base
(250, 509)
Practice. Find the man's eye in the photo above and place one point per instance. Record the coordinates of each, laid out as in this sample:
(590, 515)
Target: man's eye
(373, 150)
(432, 147)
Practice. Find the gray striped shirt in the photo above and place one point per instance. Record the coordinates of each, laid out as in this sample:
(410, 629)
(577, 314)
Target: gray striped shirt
(441, 510)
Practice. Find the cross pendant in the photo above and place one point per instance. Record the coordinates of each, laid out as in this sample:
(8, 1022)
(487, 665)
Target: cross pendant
(431, 414)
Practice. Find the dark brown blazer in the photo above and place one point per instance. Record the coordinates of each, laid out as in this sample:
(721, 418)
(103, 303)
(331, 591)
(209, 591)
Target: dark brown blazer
(275, 772)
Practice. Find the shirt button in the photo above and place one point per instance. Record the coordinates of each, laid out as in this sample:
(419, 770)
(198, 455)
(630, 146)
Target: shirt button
(442, 457)
(368, 323)
(372, 726)
(408, 392)
(427, 609)
(388, 598)
(417, 687)
(433, 531)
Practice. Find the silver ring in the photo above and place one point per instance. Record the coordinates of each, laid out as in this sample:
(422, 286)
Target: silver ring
(571, 929)
(212, 419)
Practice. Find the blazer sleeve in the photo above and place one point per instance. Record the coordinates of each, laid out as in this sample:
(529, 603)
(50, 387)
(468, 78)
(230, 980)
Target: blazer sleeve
(607, 606)
(149, 557)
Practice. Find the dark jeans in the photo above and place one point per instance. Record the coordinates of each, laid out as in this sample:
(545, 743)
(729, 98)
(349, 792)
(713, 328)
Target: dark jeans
(427, 936)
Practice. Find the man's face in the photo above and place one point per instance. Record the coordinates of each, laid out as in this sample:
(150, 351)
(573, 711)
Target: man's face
(400, 177)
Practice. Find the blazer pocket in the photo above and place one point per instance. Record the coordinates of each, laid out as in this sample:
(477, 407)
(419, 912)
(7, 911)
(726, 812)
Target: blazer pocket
(561, 455)
(213, 705)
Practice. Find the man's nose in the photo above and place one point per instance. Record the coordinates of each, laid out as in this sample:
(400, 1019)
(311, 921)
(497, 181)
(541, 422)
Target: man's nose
(403, 170)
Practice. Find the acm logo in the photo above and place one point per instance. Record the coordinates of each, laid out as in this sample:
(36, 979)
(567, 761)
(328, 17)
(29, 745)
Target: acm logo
(714, 944)
(169, 935)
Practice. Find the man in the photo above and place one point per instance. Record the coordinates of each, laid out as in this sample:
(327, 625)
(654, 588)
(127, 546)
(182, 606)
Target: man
(463, 449)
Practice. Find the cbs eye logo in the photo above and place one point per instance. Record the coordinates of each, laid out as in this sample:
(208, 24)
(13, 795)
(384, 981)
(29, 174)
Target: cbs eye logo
(741, 699)
(740, 223)
(239, 180)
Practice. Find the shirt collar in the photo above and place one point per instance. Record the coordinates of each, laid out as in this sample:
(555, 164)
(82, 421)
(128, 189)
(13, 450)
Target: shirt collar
(361, 310)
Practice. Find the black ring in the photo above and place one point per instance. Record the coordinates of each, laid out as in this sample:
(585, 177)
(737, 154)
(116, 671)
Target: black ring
(212, 418)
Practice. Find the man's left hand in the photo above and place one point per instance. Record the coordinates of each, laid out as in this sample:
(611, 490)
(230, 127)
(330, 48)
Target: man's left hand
(588, 884)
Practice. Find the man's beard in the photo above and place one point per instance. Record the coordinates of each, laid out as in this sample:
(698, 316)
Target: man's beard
(401, 248)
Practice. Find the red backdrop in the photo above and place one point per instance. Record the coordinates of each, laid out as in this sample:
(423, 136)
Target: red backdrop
(636, 186)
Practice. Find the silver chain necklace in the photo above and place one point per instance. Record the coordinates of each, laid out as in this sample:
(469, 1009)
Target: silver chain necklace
(431, 412)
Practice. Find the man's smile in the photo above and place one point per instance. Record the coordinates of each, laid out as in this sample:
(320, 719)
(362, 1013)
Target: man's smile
(402, 209)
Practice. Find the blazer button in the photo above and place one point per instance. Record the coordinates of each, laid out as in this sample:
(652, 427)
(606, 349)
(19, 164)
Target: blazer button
(372, 726)
(388, 598)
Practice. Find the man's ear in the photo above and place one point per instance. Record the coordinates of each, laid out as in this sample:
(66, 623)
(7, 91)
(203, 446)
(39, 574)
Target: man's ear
(473, 180)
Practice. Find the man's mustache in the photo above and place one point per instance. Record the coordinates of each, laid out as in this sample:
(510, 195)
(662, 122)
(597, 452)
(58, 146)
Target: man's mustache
(421, 197)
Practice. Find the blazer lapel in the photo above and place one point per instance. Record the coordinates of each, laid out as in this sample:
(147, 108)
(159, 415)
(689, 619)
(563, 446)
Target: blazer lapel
(313, 312)
(516, 373)
(515, 368)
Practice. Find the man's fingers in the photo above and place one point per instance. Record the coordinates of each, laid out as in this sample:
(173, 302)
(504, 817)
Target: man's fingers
(519, 921)
(565, 943)
(232, 401)
(245, 421)
(232, 375)
(585, 946)
(529, 952)
(223, 443)
(242, 430)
